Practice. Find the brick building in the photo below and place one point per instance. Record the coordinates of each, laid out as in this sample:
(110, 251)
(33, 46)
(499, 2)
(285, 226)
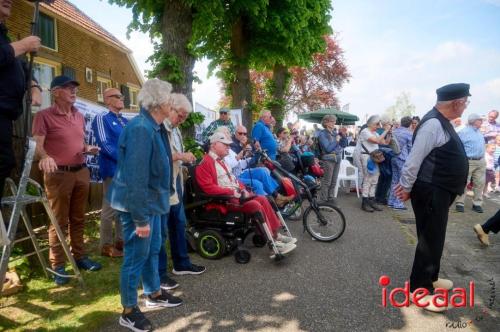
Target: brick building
(76, 46)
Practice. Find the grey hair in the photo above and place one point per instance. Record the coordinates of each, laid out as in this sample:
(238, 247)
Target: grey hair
(178, 100)
(264, 112)
(406, 121)
(373, 119)
(329, 117)
(154, 93)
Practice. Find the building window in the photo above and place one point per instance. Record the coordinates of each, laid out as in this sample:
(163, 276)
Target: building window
(102, 85)
(134, 105)
(48, 31)
(44, 71)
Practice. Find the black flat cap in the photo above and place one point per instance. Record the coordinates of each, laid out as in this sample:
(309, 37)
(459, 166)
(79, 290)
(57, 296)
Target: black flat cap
(62, 81)
(453, 91)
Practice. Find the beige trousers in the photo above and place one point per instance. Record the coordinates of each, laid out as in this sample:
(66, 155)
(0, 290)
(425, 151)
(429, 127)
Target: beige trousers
(477, 173)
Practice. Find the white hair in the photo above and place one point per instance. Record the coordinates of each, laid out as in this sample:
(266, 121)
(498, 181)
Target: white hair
(154, 93)
(373, 119)
(180, 101)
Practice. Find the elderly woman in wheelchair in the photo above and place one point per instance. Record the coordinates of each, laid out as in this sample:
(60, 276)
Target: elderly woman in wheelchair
(214, 178)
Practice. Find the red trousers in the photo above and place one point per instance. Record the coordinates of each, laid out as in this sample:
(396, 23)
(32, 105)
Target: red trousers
(259, 203)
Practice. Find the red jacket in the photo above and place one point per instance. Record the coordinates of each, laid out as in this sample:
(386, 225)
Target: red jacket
(206, 177)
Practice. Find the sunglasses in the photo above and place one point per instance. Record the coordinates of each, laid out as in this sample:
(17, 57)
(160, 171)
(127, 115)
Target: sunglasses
(223, 113)
(244, 134)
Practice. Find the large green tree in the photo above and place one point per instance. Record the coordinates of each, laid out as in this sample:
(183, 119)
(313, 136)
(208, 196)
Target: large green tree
(235, 35)
(402, 107)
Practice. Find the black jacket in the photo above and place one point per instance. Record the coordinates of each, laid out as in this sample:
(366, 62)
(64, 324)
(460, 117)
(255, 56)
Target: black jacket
(13, 77)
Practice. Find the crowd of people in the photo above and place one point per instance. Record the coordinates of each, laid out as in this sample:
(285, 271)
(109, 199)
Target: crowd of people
(433, 161)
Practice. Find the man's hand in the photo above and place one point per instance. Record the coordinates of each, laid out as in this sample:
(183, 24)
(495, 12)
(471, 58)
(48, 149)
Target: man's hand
(25, 45)
(142, 231)
(47, 165)
(401, 193)
(257, 145)
(243, 140)
(187, 157)
(92, 149)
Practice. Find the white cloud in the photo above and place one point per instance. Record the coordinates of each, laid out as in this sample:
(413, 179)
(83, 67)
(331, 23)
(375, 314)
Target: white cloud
(450, 50)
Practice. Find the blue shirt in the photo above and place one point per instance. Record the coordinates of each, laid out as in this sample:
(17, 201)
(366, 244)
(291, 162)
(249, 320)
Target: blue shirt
(142, 184)
(473, 142)
(264, 136)
(107, 129)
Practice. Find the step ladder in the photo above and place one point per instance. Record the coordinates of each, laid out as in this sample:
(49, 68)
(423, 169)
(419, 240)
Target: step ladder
(18, 202)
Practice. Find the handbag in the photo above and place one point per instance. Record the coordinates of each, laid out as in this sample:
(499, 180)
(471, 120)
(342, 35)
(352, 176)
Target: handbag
(376, 155)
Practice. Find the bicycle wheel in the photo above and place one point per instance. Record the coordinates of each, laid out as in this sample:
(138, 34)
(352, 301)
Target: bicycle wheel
(296, 214)
(325, 224)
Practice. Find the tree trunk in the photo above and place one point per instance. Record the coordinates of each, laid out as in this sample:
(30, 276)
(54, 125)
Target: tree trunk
(176, 30)
(280, 73)
(241, 91)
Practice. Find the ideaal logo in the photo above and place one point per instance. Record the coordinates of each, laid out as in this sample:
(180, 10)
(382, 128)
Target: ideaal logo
(460, 297)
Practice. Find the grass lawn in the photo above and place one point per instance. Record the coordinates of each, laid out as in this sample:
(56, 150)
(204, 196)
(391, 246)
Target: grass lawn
(44, 306)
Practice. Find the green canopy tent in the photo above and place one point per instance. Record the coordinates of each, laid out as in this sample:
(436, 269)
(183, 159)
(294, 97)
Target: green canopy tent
(343, 118)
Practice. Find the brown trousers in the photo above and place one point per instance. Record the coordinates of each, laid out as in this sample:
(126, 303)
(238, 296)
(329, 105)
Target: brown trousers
(67, 193)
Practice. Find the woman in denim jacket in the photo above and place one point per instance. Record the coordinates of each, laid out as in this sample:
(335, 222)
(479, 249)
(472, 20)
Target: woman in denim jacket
(140, 192)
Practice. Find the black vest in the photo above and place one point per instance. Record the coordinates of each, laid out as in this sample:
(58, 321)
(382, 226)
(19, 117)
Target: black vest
(446, 166)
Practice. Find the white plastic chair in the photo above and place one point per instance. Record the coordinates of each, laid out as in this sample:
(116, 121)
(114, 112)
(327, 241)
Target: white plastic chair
(346, 172)
(348, 152)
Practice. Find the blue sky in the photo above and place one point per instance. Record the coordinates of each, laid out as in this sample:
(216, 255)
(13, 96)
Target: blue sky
(390, 47)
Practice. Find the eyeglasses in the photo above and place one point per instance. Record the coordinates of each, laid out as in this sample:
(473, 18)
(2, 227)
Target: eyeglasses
(244, 134)
(121, 97)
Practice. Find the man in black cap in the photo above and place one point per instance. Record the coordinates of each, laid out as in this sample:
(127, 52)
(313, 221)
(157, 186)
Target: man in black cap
(433, 175)
(59, 132)
(13, 85)
(223, 120)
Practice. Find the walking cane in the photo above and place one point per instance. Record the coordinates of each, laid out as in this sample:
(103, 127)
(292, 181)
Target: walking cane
(35, 31)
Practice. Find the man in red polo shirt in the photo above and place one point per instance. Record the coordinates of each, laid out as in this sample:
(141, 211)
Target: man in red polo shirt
(59, 132)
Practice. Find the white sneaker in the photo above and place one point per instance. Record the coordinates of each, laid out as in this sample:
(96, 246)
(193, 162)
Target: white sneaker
(286, 239)
(285, 248)
(443, 283)
(432, 307)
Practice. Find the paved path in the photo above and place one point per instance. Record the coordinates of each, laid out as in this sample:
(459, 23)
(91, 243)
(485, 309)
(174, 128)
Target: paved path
(334, 286)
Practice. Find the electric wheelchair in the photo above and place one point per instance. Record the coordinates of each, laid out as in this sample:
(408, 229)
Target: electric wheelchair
(213, 231)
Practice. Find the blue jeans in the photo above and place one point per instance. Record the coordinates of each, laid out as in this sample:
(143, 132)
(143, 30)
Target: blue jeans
(260, 180)
(140, 260)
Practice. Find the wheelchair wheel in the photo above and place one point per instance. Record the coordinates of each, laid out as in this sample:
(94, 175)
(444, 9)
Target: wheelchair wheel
(326, 223)
(242, 256)
(258, 240)
(211, 245)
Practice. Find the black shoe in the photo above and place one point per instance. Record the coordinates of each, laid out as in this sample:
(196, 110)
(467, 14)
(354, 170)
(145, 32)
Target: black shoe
(459, 208)
(193, 269)
(168, 283)
(477, 208)
(135, 321)
(373, 205)
(365, 206)
(163, 300)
